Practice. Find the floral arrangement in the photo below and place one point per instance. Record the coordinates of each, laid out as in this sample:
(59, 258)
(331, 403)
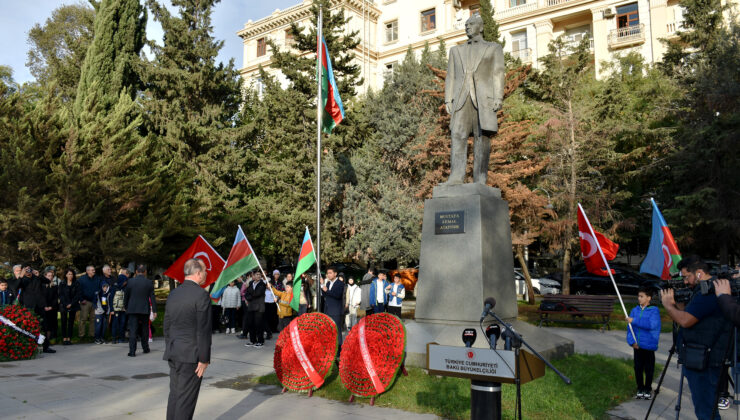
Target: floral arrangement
(305, 351)
(14, 345)
(372, 354)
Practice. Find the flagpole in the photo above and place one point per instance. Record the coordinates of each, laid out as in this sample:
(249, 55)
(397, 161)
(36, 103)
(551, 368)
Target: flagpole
(267, 279)
(319, 70)
(608, 270)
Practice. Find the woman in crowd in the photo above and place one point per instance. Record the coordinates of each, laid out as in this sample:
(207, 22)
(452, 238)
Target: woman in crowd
(70, 294)
(51, 291)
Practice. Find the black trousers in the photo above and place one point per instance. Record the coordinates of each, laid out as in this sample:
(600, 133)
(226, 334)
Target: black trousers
(41, 313)
(68, 322)
(271, 318)
(644, 364)
(395, 310)
(184, 389)
(138, 324)
(339, 321)
(52, 323)
(255, 326)
(215, 318)
(231, 315)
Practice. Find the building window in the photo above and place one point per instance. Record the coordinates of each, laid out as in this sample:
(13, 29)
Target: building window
(391, 31)
(388, 71)
(627, 16)
(261, 47)
(289, 40)
(259, 86)
(428, 20)
(519, 41)
(475, 9)
(514, 3)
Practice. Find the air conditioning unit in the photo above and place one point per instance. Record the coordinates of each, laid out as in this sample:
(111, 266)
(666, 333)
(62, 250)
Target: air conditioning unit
(608, 13)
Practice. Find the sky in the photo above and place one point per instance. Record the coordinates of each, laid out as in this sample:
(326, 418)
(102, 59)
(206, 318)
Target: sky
(19, 16)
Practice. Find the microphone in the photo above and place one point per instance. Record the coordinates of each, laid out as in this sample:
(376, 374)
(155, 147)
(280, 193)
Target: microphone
(468, 336)
(493, 332)
(489, 304)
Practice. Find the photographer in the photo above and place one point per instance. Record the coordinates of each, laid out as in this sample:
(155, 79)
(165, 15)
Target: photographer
(727, 303)
(703, 336)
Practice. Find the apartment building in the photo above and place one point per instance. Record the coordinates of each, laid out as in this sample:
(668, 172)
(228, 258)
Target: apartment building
(388, 27)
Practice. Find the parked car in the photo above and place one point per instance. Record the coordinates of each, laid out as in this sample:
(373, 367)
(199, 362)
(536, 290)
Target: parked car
(409, 277)
(542, 286)
(628, 282)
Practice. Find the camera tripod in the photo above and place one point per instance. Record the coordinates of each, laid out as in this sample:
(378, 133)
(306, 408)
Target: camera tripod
(731, 348)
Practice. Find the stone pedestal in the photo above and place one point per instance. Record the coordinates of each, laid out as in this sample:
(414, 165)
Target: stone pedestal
(466, 256)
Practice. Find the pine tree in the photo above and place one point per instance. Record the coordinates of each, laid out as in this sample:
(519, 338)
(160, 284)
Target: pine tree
(490, 26)
(191, 104)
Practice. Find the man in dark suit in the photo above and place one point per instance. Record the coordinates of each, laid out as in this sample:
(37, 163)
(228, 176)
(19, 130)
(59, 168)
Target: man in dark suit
(187, 337)
(255, 297)
(34, 298)
(333, 292)
(474, 92)
(137, 297)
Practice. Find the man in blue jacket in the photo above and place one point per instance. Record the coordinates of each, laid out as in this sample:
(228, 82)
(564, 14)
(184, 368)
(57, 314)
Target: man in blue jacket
(645, 320)
(378, 298)
(90, 284)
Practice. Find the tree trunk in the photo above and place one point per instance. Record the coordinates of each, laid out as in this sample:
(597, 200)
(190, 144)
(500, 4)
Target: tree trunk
(525, 272)
(566, 271)
(572, 199)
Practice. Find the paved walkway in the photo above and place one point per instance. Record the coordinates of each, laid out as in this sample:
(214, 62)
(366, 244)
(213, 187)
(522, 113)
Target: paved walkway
(90, 381)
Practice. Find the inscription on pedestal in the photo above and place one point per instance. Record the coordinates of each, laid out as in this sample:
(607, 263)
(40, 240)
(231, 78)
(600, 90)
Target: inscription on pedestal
(446, 222)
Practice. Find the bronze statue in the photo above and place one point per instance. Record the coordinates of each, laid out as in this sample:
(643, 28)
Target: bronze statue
(474, 92)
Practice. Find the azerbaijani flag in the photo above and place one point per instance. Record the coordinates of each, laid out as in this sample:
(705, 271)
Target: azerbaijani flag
(663, 254)
(241, 260)
(306, 259)
(333, 110)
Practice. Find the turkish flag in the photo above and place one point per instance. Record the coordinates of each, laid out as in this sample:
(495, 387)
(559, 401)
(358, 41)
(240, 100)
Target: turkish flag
(202, 250)
(589, 246)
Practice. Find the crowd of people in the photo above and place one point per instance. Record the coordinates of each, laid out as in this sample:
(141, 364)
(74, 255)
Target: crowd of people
(260, 308)
(104, 306)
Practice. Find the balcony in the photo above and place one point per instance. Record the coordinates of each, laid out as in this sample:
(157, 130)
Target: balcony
(672, 28)
(571, 43)
(530, 6)
(626, 36)
(525, 55)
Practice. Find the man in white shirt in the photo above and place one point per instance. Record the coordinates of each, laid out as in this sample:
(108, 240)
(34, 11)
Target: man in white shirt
(378, 293)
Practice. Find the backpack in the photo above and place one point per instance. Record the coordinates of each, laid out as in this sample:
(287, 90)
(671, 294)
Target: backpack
(118, 301)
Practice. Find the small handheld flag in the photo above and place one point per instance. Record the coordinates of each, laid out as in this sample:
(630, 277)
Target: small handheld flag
(306, 259)
(201, 249)
(241, 260)
(584, 227)
(663, 255)
(590, 245)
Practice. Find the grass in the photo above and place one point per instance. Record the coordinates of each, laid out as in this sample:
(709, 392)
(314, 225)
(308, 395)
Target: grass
(599, 383)
(528, 313)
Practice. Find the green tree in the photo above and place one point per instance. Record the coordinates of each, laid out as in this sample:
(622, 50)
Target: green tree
(702, 186)
(566, 84)
(58, 48)
(191, 103)
(490, 26)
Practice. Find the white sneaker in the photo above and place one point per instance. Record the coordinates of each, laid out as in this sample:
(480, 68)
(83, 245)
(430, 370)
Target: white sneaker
(228, 331)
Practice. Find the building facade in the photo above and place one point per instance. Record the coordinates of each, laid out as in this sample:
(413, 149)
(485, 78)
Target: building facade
(387, 28)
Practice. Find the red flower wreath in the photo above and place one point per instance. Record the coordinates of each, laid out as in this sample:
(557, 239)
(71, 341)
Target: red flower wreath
(385, 341)
(317, 336)
(14, 345)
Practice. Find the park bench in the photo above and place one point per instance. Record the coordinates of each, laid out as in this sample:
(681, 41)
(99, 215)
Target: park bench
(575, 309)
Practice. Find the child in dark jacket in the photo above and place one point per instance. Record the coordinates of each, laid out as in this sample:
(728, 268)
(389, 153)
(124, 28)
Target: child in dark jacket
(6, 295)
(645, 320)
(102, 310)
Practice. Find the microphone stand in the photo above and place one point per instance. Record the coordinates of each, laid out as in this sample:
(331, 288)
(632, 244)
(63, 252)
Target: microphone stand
(518, 338)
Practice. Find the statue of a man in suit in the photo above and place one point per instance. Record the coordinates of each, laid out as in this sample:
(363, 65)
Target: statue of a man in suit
(474, 92)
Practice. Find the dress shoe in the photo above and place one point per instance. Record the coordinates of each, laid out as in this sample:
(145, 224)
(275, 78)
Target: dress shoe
(50, 350)
(146, 350)
(132, 355)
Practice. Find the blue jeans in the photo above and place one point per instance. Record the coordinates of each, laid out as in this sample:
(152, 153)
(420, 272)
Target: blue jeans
(118, 326)
(101, 324)
(378, 308)
(703, 387)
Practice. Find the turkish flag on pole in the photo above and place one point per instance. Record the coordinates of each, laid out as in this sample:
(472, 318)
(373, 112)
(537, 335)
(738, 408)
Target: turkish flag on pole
(202, 250)
(590, 248)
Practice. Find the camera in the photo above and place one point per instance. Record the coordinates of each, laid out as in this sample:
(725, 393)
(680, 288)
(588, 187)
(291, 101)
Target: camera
(707, 287)
(682, 293)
